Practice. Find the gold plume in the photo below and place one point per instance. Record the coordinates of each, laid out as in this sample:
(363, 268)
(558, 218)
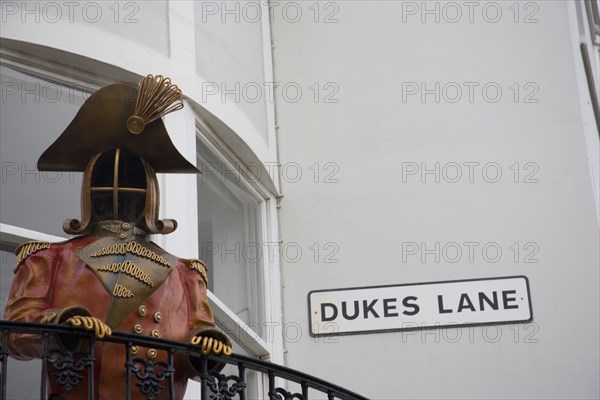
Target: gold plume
(157, 97)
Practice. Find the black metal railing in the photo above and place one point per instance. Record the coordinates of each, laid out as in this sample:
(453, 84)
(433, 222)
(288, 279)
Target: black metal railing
(151, 378)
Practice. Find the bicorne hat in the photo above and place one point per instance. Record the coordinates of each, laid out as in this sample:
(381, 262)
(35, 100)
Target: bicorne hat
(121, 116)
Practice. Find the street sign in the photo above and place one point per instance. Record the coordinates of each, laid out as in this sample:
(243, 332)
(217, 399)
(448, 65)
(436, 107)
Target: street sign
(419, 306)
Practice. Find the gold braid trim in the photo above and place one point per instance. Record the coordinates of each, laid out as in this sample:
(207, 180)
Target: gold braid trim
(138, 231)
(112, 228)
(117, 228)
(27, 249)
(133, 248)
(122, 291)
(129, 268)
(199, 267)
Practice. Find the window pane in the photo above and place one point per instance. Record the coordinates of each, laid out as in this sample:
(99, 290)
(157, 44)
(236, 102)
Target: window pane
(24, 377)
(230, 240)
(6, 273)
(33, 114)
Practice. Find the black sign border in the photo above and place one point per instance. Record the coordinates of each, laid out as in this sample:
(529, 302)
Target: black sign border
(310, 323)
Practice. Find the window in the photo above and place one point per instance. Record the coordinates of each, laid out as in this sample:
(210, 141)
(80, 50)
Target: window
(6, 270)
(33, 113)
(230, 239)
(24, 378)
(586, 40)
(238, 245)
(33, 204)
(238, 239)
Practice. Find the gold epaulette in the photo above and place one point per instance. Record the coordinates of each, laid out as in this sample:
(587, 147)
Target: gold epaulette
(199, 267)
(26, 249)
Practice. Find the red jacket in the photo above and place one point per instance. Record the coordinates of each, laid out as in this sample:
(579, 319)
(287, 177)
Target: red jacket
(129, 283)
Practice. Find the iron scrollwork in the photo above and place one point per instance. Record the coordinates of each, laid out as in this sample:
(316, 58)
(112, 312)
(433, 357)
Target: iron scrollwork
(149, 380)
(219, 386)
(282, 394)
(149, 376)
(68, 366)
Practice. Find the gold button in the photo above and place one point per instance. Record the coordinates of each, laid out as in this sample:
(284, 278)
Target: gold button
(157, 317)
(123, 235)
(152, 354)
(137, 328)
(142, 311)
(155, 333)
(134, 350)
(126, 226)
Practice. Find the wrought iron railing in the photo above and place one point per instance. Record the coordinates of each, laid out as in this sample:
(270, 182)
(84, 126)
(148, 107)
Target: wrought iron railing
(152, 378)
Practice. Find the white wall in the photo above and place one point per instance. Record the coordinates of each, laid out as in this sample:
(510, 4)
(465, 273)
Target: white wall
(229, 56)
(367, 135)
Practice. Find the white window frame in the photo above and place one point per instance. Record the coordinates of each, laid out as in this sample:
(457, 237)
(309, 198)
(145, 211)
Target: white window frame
(583, 31)
(14, 235)
(272, 349)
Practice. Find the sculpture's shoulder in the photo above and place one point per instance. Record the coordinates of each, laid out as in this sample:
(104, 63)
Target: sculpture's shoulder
(198, 266)
(27, 249)
(190, 264)
(24, 250)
